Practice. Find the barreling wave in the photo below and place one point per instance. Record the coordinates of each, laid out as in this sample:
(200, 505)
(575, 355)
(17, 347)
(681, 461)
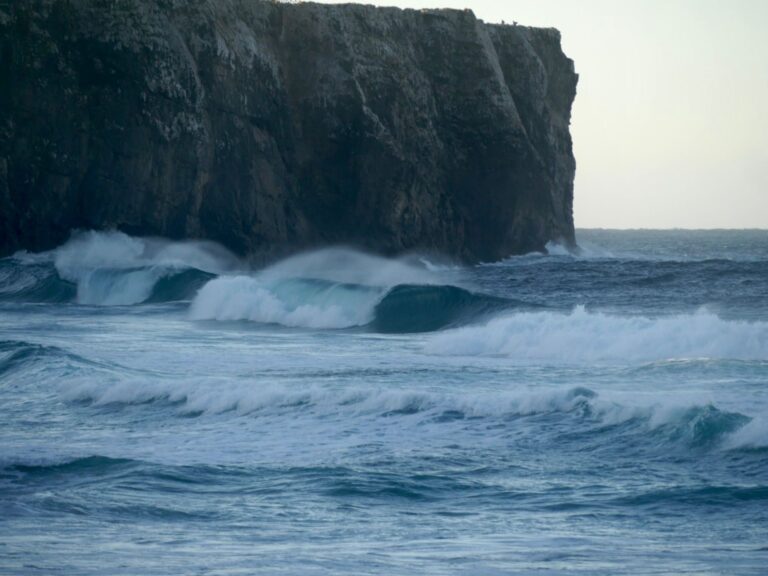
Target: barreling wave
(301, 302)
(42, 283)
(313, 303)
(324, 289)
(111, 268)
(338, 288)
(120, 287)
(587, 337)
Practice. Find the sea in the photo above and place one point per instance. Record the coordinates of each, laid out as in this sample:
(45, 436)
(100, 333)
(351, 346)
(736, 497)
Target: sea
(167, 408)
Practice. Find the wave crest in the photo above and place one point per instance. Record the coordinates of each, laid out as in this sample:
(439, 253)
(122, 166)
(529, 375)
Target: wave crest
(581, 336)
(312, 303)
(112, 268)
(339, 288)
(292, 303)
(598, 421)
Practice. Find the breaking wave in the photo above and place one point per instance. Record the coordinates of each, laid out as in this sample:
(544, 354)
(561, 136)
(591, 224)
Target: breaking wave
(325, 289)
(582, 336)
(339, 288)
(313, 303)
(570, 418)
(561, 412)
(306, 303)
(111, 268)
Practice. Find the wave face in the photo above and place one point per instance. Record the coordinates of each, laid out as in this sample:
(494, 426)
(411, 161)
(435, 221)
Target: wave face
(333, 288)
(312, 303)
(344, 413)
(677, 425)
(299, 302)
(111, 268)
(16, 355)
(339, 288)
(33, 283)
(412, 308)
(325, 289)
(115, 269)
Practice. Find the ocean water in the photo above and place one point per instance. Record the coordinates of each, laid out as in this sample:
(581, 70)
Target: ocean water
(167, 409)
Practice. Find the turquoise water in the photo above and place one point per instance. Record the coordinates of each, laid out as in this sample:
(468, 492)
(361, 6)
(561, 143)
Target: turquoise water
(167, 409)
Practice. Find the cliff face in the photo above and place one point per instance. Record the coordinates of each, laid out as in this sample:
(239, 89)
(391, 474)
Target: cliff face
(269, 126)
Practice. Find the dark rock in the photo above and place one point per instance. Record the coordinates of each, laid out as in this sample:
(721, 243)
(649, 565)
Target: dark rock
(272, 127)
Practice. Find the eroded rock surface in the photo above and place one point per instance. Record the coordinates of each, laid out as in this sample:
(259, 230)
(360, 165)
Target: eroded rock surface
(272, 127)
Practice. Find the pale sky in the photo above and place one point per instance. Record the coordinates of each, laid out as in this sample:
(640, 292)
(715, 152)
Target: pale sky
(670, 124)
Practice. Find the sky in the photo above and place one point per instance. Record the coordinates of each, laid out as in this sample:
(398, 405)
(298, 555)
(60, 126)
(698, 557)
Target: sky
(670, 124)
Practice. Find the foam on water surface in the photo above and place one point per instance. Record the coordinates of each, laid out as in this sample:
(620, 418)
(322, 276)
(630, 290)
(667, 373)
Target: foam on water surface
(585, 337)
(347, 413)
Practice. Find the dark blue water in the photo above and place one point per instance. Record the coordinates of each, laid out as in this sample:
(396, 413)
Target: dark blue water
(167, 409)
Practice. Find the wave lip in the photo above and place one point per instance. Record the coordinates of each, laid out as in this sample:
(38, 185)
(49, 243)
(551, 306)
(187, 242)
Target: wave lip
(752, 436)
(599, 423)
(312, 303)
(338, 288)
(112, 268)
(331, 288)
(293, 303)
(117, 251)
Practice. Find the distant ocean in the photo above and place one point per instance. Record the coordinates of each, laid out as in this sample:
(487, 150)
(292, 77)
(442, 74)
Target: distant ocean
(165, 409)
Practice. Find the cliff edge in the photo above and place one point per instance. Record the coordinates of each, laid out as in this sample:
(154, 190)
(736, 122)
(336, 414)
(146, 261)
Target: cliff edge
(275, 127)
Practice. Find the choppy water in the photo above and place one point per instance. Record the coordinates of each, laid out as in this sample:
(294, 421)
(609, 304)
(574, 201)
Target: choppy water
(166, 410)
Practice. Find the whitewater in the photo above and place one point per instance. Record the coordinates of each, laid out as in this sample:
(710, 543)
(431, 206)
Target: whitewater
(170, 408)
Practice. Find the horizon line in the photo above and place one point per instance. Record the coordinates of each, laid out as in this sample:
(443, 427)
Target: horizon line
(675, 229)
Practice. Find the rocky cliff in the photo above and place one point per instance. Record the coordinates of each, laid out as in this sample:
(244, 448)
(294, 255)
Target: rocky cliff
(270, 126)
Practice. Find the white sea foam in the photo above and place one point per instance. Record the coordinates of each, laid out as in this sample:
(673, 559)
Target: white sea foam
(347, 266)
(582, 336)
(294, 304)
(330, 288)
(112, 268)
(677, 418)
(753, 435)
(115, 250)
(558, 249)
(110, 288)
(439, 266)
(212, 396)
